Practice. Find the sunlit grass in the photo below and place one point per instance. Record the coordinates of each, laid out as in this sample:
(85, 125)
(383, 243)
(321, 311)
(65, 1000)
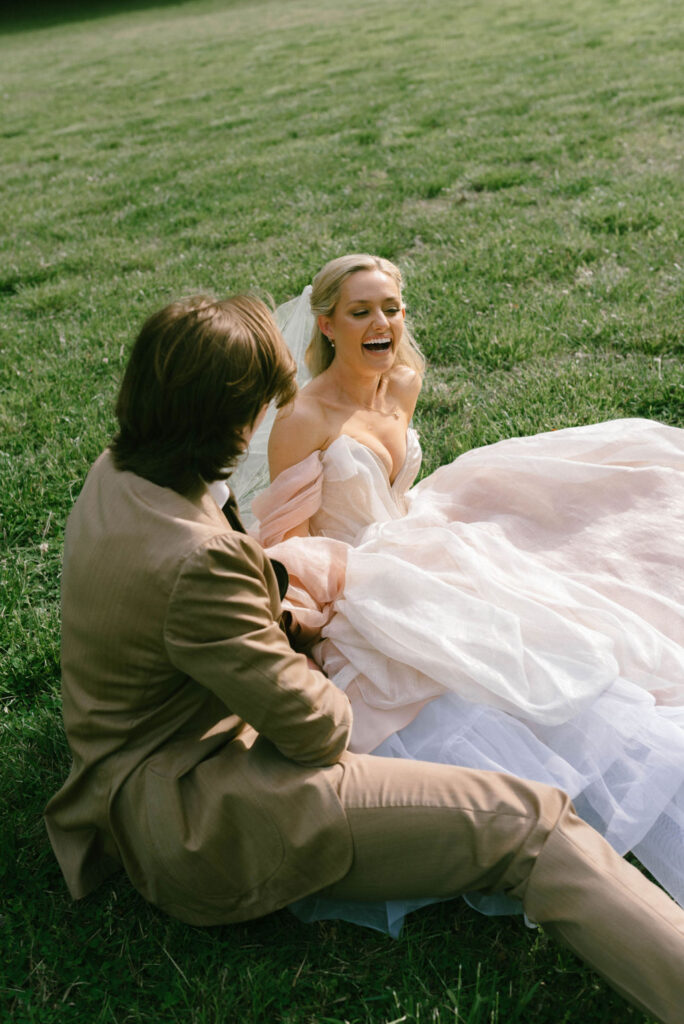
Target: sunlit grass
(522, 162)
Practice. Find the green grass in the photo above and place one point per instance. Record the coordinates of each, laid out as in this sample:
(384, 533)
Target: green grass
(522, 162)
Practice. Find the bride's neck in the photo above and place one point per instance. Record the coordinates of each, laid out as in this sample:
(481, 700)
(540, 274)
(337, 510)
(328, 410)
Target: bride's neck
(364, 391)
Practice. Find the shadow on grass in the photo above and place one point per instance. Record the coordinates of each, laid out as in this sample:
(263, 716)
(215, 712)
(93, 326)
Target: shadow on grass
(17, 16)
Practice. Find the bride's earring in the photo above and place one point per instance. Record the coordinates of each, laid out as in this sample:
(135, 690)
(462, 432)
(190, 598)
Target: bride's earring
(332, 342)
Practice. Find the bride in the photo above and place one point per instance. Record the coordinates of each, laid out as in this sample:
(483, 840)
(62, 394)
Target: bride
(521, 609)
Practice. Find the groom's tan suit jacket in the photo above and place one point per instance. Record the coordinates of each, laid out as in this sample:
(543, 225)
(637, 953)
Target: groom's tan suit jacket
(200, 739)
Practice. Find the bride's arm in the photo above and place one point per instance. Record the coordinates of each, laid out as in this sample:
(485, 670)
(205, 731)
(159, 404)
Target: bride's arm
(298, 431)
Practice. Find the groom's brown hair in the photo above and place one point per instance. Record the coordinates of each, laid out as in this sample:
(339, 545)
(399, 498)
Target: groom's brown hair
(199, 373)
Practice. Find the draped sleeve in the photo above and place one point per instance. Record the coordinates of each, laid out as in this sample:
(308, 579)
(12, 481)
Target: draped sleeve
(316, 565)
(293, 497)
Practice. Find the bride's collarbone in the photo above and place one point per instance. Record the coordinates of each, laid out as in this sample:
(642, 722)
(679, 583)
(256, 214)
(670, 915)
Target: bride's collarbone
(381, 429)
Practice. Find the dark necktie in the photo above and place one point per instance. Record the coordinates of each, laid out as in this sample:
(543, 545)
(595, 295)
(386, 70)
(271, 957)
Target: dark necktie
(232, 514)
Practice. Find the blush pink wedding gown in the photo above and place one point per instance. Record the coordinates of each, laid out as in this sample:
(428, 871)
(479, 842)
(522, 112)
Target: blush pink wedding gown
(521, 609)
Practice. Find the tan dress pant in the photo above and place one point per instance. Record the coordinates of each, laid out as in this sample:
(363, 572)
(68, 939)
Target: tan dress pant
(436, 830)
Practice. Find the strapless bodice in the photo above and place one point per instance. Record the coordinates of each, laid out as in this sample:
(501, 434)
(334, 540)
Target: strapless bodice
(356, 489)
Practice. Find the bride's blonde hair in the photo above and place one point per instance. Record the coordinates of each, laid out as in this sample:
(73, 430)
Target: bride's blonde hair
(325, 293)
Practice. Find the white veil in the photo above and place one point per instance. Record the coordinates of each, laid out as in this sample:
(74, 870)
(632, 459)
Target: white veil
(296, 322)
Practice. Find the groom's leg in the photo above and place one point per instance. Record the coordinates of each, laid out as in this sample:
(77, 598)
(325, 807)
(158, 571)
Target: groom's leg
(433, 830)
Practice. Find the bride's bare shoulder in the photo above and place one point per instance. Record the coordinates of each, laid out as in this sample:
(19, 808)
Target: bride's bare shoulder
(299, 429)
(405, 384)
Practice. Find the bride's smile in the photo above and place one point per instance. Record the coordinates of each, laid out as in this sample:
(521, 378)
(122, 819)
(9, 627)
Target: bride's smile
(377, 344)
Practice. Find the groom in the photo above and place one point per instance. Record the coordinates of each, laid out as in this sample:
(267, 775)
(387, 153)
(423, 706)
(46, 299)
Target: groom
(210, 759)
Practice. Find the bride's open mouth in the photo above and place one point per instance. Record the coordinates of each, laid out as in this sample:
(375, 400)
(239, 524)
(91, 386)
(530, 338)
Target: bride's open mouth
(378, 345)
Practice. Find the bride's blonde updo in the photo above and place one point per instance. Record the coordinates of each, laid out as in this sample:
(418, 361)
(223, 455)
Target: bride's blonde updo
(325, 293)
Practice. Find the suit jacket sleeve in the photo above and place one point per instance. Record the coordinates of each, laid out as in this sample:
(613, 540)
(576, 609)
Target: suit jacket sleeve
(220, 630)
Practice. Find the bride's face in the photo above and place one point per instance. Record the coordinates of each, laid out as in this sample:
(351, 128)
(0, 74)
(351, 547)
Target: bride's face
(368, 321)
